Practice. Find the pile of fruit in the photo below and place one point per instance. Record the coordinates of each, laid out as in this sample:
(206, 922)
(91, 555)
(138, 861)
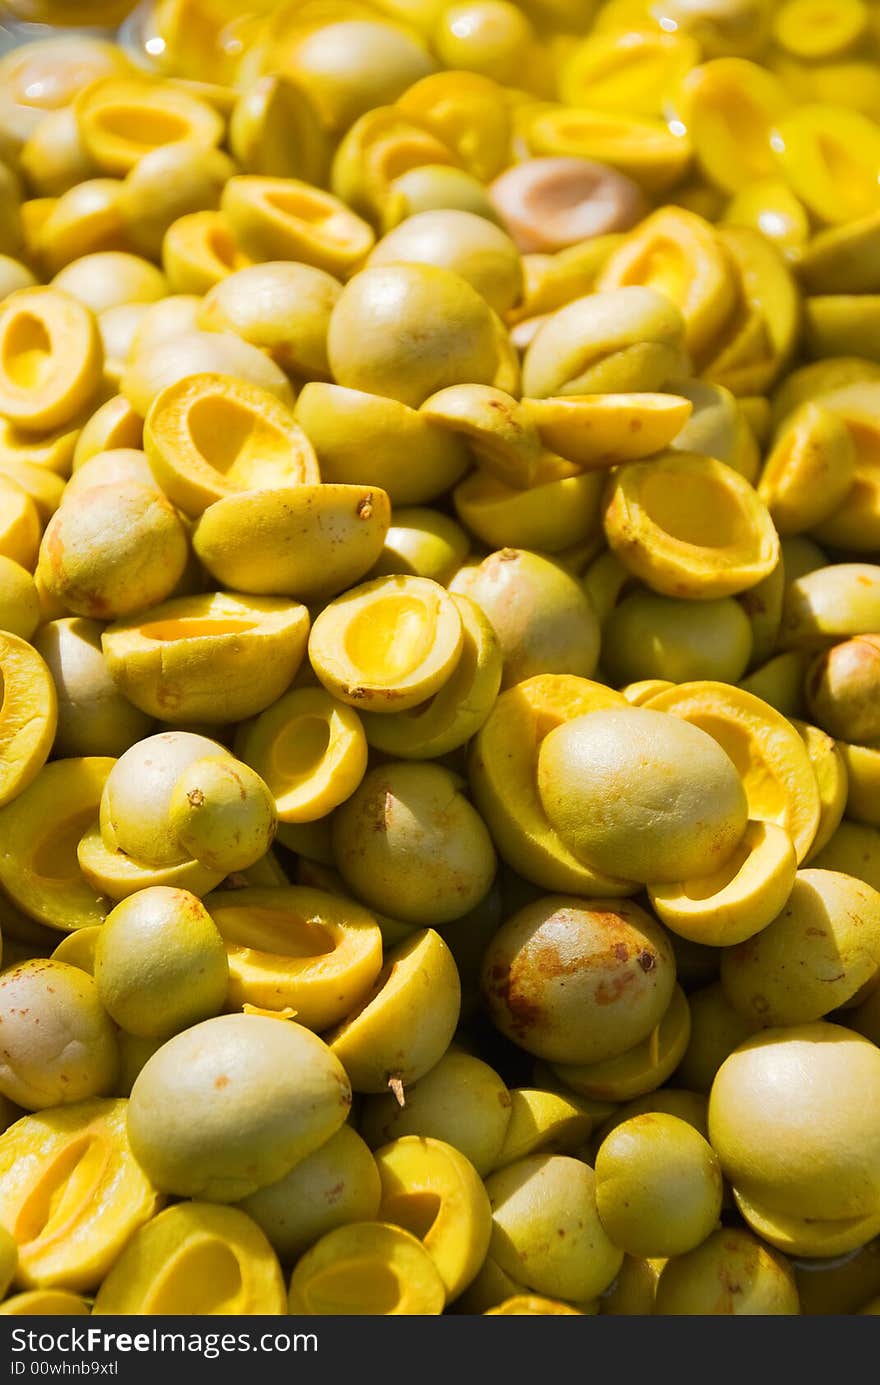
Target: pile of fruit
(440, 657)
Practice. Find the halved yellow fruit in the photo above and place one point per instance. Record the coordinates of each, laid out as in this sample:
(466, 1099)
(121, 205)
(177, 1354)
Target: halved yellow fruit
(451, 716)
(862, 773)
(829, 604)
(821, 952)
(285, 219)
(310, 749)
(199, 251)
(729, 106)
(830, 157)
(307, 541)
(503, 775)
(216, 658)
(405, 1023)
(387, 645)
(679, 254)
(641, 1069)
(293, 947)
(367, 1268)
(597, 431)
(28, 715)
(496, 427)
(45, 1303)
(39, 834)
(365, 439)
(807, 1236)
(72, 1193)
(646, 149)
(208, 436)
(688, 525)
(110, 872)
(432, 1190)
(768, 752)
(737, 901)
(195, 1258)
(50, 358)
(809, 471)
(545, 1122)
(560, 509)
(121, 118)
(831, 768)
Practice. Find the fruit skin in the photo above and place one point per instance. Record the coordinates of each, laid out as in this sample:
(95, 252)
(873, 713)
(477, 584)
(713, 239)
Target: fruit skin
(215, 658)
(112, 550)
(716, 1030)
(233, 1103)
(406, 331)
(369, 439)
(578, 981)
(305, 541)
(815, 956)
(658, 1186)
(136, 800)
(842, 686)
(409, 844)
(702, 1282)
(642, 1068)
(59, 1045)
(405, 1024)
(281, 306)
(19, 600)
(652, 636)
(223, 814)
(502, 766)
(93, 717)
(45, 1302)
(8, 1260)
(336, 1185)
(630, 795)
(160, 963)
(461, 1101)
(829, 604)
(624, 339)
(467, 244)
(544, 621)
(794, 1117)
(535, 1199)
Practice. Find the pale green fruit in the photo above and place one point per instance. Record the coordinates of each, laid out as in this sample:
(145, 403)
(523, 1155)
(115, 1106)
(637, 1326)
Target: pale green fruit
(642, 795)
(652, 636)
(223, 814)
(160, 963)
(232, 1104)
(461, 1101)
(546, 1231)
(59, 1045)
(658, 1186)
(731, 1274)
(337, 1184)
